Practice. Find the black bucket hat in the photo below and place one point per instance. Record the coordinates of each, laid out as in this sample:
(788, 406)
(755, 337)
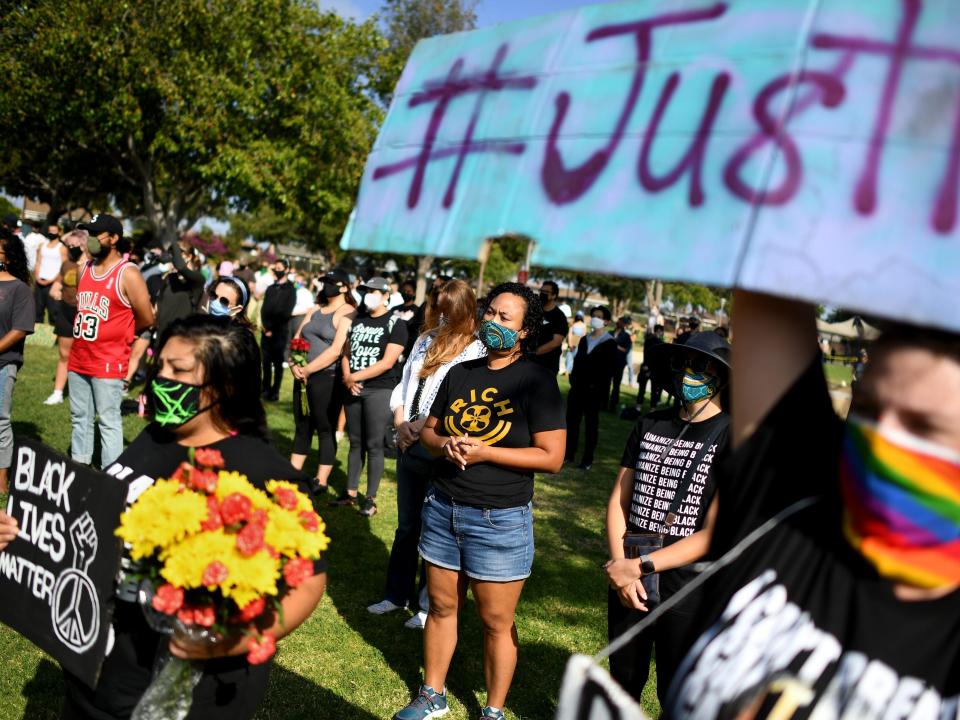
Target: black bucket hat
(708, 345)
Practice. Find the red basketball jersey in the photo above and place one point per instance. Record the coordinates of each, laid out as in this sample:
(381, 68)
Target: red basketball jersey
(103, 329)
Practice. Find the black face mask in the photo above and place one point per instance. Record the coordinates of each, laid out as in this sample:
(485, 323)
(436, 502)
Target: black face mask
(408, 297)
(74, 253)
(279, 274)
(330, 290)
(544, 298)
(52, 236)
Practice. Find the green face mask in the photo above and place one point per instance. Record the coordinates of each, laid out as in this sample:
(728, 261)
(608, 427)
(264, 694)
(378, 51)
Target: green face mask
(175, 402)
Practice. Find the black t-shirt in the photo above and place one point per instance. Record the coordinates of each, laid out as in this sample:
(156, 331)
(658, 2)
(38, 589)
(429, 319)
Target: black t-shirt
(655, 481)
(801, 617)
(625, 342)
(554, 323)
(413, 316)
(155, 454)
(500, 407)
(369, 338)
(16, 313)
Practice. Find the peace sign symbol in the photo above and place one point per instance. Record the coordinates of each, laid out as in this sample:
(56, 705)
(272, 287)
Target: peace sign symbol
(75, 610)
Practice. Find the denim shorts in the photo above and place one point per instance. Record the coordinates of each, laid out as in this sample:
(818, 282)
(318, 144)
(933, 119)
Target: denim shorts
(492, 544)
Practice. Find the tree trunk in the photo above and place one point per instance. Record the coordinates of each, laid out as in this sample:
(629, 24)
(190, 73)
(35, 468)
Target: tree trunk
(423, 267)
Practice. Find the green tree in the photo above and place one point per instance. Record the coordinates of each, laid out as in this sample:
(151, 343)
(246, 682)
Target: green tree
(181, 108)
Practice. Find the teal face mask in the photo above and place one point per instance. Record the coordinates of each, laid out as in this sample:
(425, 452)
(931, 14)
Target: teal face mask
(175, 402)
(497, 337)
(695, 386)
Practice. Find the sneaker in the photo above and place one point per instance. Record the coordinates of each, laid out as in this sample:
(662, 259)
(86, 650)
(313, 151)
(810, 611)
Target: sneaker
(417, 621)
(383, 607)
(343, 500)
(492, 713)
(56, 397)
(427, 704)
(369, 508)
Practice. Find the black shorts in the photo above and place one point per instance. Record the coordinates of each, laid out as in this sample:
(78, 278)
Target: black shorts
(63, 319)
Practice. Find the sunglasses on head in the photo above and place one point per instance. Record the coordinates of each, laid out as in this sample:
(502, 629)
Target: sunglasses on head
(697, 363)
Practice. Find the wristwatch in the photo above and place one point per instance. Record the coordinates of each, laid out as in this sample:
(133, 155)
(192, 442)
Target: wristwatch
(646, 565)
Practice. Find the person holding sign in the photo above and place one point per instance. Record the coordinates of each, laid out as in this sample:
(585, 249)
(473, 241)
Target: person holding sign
(850, 604)
(661, 503)
(200, 397)
(16, 322)
(496, 421)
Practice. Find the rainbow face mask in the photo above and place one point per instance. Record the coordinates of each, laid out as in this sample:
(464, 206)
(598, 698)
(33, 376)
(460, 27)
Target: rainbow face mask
(901, 499)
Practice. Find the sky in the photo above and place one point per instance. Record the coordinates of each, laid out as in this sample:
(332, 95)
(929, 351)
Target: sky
(489, 12)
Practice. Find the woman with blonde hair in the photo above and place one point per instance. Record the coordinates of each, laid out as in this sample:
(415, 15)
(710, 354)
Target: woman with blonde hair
(449, 337)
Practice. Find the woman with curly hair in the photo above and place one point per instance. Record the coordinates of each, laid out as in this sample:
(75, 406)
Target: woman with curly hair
(16, 322)
(495, 422)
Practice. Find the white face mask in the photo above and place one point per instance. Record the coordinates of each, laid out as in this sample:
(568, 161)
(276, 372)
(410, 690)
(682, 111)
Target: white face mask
(373, 300)
(597, 323)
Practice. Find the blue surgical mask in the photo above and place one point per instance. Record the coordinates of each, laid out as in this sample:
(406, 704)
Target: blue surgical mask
(497, 337)
(695, 386)
(218, 309)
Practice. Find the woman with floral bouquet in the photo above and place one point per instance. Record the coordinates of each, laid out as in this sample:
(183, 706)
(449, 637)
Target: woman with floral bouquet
(205, 364)
(324, 328)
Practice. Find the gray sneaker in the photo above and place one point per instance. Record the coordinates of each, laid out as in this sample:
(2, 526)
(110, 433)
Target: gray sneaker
(492, 713)
(369, 508)
(427, 704)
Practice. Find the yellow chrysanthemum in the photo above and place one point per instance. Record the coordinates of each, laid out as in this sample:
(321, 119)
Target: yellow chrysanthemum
(287, 536)
(234, 482)
(161, 516)
(184, 563)
(250, 577)
(303, 502)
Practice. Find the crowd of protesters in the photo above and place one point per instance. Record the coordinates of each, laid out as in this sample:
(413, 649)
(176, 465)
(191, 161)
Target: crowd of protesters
(465, 390)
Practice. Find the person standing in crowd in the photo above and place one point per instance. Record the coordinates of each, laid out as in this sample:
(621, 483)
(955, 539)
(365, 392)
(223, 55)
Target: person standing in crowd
(229, 297)
(593, 367)
(370, 366)
(51, 255)
(17, 317)
(849, 605)
(279, 300)
(554, 330)
(448, 339)
(688, 326)
(623, 335)
(32, 240)
(411, 313)
(325, 327)
(664, 493)
(650, 340)
(180, 293)
(112, 304)
(495, 422)
(577, 330)
(207, 365)
(64, 293)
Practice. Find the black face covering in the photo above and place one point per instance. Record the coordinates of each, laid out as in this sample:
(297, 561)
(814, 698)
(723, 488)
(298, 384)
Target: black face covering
(74, 253)
(408, 297)
(544, 298)
(330, 290)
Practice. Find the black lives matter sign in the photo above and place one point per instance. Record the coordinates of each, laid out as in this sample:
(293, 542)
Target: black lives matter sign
(57, 576)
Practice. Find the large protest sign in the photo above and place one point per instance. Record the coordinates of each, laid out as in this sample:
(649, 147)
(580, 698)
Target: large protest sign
(57, 576)
(809, 148)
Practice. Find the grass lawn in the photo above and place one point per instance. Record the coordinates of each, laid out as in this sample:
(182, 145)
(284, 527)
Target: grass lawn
(344, 662)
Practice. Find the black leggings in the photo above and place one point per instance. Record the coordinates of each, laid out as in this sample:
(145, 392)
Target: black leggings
(368, 417)
(325, 398)
(583, 403)
(273, 349)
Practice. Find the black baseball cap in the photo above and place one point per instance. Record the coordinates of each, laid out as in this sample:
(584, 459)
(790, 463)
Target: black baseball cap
(103, 224)
(336, 276)
(10, 220)
(377, 283)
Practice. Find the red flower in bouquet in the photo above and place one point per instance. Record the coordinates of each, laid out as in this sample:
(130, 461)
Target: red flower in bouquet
(184, 474)
(298, 356)
(235, 508)
(215, 573)
(286, 498)
(309, 520)
(209, 458)
(213, 521)
(297, 571)
(167, 599)
(261, 649)
(204, 480)
(204, 615)
(250, 612)
(250, 539)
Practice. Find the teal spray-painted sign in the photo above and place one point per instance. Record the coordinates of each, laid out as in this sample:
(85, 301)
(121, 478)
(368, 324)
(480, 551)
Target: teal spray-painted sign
(808, 148)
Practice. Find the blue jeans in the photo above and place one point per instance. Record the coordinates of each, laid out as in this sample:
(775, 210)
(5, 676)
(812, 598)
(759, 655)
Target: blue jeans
(8, 378)
(92, 398)
(488, 544)
(414, 473)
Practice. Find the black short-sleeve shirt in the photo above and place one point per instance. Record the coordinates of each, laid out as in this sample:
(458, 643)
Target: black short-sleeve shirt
(369, 338)
(16, 313)
(554, 323)
(503, 407)
(662, 465)
(800, 625)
